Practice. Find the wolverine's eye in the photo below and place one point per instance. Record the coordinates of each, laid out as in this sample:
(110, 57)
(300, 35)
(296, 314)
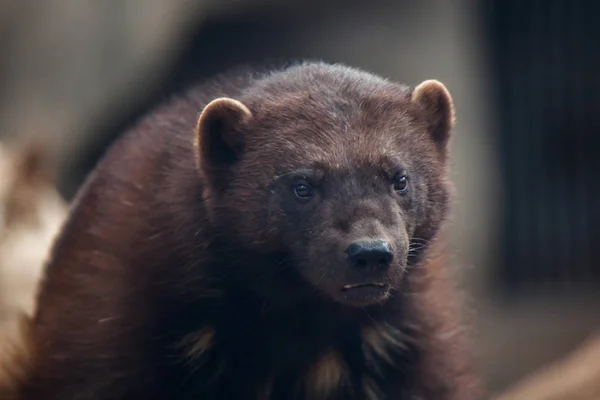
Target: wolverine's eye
(303, 191)
(401, 184)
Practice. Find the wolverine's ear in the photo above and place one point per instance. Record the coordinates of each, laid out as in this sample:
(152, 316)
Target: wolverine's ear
(220, 138)
(434, 100)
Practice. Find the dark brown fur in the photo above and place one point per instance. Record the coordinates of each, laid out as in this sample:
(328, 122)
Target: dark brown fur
(184, 275)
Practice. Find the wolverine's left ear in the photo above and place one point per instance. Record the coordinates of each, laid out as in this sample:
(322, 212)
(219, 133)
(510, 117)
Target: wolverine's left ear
(434, 100)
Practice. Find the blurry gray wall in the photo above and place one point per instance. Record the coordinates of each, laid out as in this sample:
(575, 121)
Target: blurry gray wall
(68, 66)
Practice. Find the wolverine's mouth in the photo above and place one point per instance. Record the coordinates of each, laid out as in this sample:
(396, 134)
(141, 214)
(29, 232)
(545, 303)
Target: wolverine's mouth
(363, 294)
(364, 284)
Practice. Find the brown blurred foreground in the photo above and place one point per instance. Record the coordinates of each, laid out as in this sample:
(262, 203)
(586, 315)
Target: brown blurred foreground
(576, 377)
(31, 212)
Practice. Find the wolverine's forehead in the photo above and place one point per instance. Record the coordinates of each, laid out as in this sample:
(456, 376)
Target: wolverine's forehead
(318, 111)
(335, 141)
(343, 158)
(340, 126)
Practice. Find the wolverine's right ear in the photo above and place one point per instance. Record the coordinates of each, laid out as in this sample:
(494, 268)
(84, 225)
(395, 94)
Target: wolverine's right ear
(220, 137)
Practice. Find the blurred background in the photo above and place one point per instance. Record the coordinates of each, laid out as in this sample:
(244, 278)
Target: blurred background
(525, 77)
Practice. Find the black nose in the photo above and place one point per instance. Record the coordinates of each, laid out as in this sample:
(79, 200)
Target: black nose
(370, 254)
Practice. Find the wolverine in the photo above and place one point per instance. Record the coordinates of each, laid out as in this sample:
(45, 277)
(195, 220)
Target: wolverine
(266, 235)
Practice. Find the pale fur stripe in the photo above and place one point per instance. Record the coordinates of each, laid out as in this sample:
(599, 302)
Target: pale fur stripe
(381, 342)
(199, 342)
(326, 376)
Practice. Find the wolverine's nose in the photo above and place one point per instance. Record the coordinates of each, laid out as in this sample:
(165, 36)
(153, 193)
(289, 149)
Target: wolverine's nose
(370, 254)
